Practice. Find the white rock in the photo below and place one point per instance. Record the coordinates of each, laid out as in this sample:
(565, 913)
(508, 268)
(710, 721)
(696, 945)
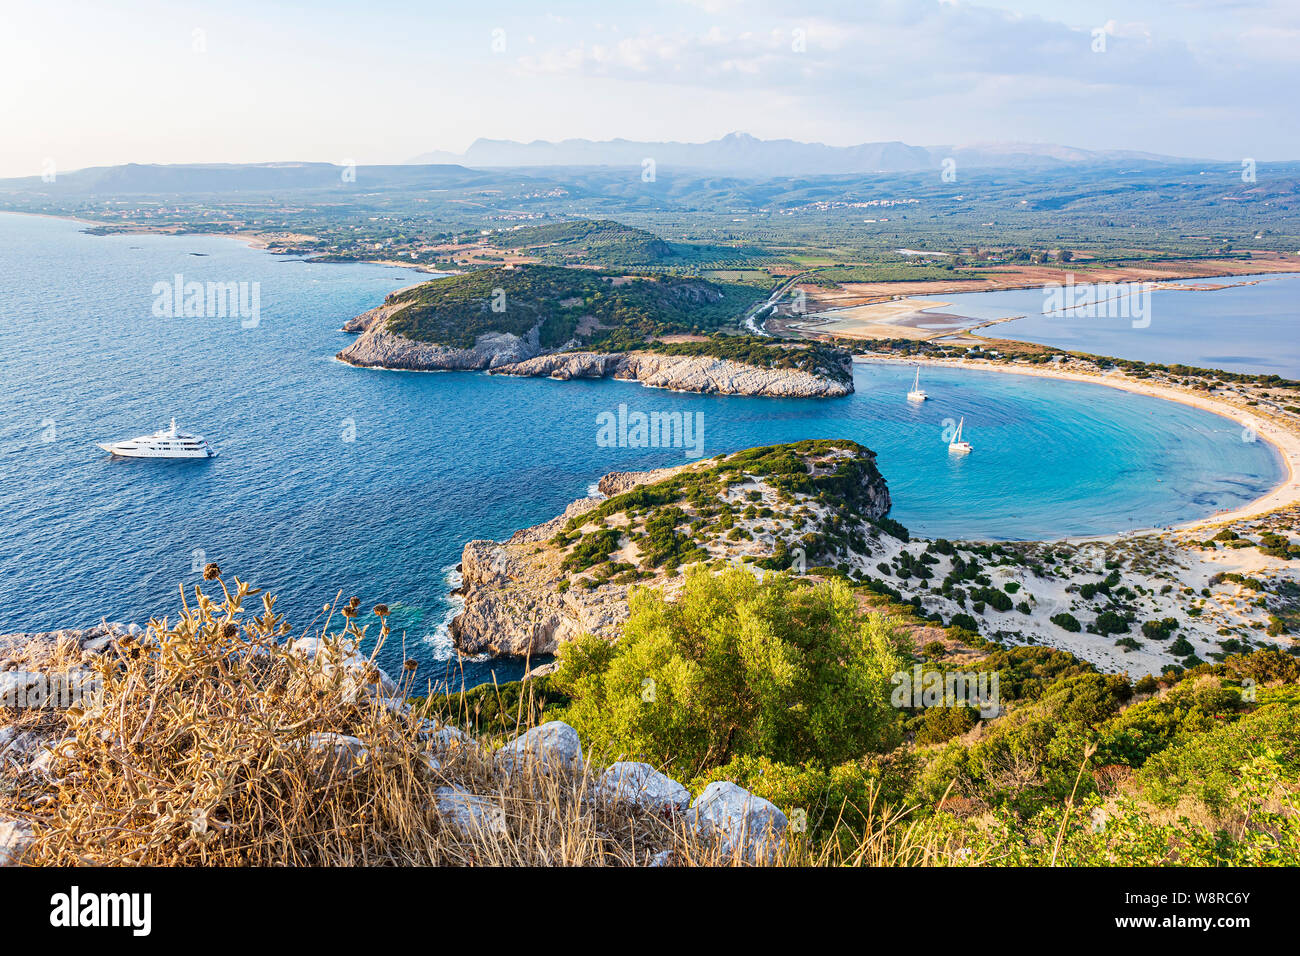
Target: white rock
(19, 689)
(396, 705)
(344, 755)
(642, 785)
(443, 736)
(369, 679)
(47, 760)
(34, 690)
(97, 645)
(467, 813)
(16, 748)
(550, 747)
(740, 821)
(15, 838)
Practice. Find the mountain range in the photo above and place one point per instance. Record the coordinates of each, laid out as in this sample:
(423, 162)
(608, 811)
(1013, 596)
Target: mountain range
(741, 153)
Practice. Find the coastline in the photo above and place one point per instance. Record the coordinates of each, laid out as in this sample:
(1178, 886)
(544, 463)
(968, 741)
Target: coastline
(1283, 440)
(254, 240)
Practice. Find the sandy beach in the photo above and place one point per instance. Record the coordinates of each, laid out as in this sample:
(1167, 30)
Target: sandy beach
(1254, 422)
(1153, 558)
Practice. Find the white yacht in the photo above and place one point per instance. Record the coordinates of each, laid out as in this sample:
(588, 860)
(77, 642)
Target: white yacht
(168, 443)
(957, 446)
(916, 395)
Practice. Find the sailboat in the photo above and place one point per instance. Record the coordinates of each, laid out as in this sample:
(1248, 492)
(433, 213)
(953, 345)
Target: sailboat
(916, 395)
(957, 446)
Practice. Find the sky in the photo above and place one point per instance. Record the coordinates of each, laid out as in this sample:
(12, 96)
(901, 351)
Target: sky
(92, 84)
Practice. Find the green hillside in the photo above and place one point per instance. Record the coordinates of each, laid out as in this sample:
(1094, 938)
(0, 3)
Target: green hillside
(579, 305)
(600, 241)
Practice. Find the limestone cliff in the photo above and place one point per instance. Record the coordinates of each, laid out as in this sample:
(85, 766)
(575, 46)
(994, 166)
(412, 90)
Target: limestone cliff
(776, 370)
(379, 348)
(685, 373)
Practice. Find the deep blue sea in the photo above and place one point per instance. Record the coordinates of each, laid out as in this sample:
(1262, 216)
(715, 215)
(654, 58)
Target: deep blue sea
(331, 478)
(1254, 328)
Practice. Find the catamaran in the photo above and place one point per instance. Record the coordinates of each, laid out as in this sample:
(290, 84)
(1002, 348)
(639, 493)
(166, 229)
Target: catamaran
(957, 446)
(916, 395)
(168, 443)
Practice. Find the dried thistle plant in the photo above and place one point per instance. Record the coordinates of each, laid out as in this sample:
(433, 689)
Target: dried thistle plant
(214, 742)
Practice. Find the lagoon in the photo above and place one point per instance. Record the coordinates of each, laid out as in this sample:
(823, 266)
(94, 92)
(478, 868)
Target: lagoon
(1241, 328)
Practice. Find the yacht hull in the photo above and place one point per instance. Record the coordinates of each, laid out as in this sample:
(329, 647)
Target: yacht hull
(120, 451)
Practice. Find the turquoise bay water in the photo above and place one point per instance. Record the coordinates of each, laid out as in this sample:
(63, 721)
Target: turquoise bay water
(333, 478)
(1254, 328)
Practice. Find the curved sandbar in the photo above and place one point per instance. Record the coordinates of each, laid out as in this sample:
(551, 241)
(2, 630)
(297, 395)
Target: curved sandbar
(1279, 435)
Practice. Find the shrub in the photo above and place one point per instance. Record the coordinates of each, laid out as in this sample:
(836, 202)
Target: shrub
(938, 724)
(1159, 630)
(737, 667)
(1108, 622)
(1067, 621)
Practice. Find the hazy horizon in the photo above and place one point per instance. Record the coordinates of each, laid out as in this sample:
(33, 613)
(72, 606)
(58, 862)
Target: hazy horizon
(326, 82)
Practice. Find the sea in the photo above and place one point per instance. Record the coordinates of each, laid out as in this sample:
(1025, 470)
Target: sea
(336, 481)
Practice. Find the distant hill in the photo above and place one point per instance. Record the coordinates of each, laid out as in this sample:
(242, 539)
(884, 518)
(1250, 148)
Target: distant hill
(610, 244)
(741, 153)
(596, 240)
(252, 178)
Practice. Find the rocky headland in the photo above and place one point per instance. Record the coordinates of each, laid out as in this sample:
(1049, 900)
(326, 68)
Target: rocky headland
(504, 353)
(766, 507)
(1134, 603)
(551, 323)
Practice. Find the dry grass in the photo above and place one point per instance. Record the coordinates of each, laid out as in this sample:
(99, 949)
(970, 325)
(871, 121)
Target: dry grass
(198, 752)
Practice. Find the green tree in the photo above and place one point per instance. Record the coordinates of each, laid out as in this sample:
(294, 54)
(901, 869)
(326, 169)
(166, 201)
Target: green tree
(737, 667)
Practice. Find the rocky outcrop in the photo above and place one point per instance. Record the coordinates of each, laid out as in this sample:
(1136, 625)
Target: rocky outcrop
(552, 747)
(567, 365)
(379, 348)
(683, 373)
(643, 786)
(618, 482)
(361, 678)
(15, 838)
(729, 823)
(375, 316)
(467, 814)
(513, 603)
(743, 824)
(521, 600)
(508, 354)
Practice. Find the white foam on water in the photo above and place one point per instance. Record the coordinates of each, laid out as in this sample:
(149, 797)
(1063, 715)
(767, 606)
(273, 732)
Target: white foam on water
(444, 648)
